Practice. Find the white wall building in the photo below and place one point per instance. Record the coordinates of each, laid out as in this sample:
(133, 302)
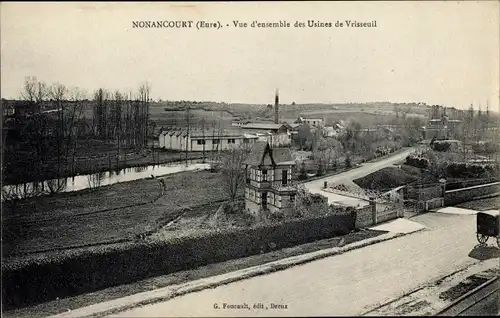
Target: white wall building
(313, 122)
(197, 140)
(275, 134)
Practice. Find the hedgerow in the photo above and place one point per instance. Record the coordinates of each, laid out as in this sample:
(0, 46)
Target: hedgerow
(70, 273)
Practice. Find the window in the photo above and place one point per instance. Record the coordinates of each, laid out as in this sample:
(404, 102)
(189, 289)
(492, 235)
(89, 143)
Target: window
(292, 198)
(200, 142)
(284, 177)
(215, 141)
(245, 141)
(230, 141)
(264, 175)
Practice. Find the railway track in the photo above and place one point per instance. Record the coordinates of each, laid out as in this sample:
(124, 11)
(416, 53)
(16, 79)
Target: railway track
(482, 300)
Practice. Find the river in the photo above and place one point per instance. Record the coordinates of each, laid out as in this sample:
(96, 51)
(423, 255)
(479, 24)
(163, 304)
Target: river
(95, 180)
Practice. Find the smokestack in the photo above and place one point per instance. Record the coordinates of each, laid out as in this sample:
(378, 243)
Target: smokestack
(276, 103)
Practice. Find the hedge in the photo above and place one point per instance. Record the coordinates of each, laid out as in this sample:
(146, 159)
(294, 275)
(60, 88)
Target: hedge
(421, 163)
(441, 146)
(35, 282)
(456, 169)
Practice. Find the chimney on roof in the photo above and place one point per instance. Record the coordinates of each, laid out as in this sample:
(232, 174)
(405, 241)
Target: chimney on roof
(276, 104)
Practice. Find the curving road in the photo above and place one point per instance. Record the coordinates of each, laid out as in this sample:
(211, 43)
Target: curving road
(316, 186)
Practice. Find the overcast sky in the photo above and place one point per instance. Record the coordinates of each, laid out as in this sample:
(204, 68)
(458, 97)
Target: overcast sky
(434, 52)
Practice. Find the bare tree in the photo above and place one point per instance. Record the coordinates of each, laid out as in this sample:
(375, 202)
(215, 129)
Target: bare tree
(74, 116)
(58, 93)
(29, 92)
(100, 113)
(233, 170)
(144, 98)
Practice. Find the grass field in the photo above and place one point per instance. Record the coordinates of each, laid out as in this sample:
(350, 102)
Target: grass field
(104, 215)
(386, 179)
(366, 114)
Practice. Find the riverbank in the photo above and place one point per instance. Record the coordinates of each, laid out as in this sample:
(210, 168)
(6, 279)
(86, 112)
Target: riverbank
(105, 163)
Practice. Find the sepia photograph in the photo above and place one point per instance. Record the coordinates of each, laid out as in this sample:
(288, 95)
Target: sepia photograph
(250, 159)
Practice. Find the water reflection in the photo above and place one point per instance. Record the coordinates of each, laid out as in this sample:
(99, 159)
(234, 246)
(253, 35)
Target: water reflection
(92, 181)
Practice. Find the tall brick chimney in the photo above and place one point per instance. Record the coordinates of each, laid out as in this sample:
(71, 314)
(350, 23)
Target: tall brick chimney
(276, 105)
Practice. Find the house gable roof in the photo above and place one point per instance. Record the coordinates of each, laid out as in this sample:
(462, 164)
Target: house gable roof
(256, 153)
(263, 154)
(283, 156)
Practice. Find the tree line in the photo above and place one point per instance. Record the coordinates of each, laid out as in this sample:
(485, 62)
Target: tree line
(53, 125)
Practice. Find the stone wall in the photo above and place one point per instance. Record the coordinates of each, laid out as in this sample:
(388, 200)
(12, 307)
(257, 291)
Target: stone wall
(387, 214)
(364, 217)
(457, 196)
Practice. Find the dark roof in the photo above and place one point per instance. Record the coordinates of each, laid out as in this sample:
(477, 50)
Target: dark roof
(312, 117)
(270, 126)
(256, 153)
(279, 155)
(282, 155)
(198, 133)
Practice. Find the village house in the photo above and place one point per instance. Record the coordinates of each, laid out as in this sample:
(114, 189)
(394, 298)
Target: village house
(275, 134)
(202, 140)
(330, 131)
(442, 128)
(269, 185)
(239, 123)
(294, 128)
(312, 121)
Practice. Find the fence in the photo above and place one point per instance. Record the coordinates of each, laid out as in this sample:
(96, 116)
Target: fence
(469, 183)
(424, 193)
(376, 213)
(388, 213)
(456, 196)
(431, 197)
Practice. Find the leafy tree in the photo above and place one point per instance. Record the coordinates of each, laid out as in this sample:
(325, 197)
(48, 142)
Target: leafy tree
(304, 137)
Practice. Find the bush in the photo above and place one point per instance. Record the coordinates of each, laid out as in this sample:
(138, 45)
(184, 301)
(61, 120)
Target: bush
(487, 147)
(462, 170)
(302, 172)
(278, 216)
(321, 170)
(441, 146)
(421, 163)
(348, 163)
